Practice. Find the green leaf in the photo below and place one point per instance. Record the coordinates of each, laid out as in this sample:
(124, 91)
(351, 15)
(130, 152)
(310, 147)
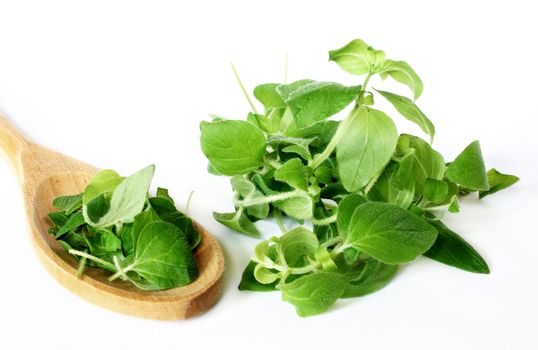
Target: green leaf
(453, 250)
(74, 221)
(96, 208)
(368, 277)
(247, 191)
(103, 242)
(468, 169)
(365, 148)
(163, 257)
(324, 174)
(249, 282)
(497, 182)
(300, 207)
(403, 73)
(127, 200)
(265, 275)
(69, 204)
(233, 147)
(401, 186)
(238, 222)
(389, 233)
(294, 173)
(163, 193)
(104, 182)
(297, 245)
(410, 111)
(296, 145)
(311, 101)
(346, 208)
(261, 121)
(428, 162)
(314, 294)
(454, 205)
(436, 191)
(358, 58)
(268, 96)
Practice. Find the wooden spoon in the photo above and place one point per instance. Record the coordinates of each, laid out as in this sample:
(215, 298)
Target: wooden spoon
(44, 175)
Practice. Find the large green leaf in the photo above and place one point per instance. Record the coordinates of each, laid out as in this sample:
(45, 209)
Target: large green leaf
(389, 233)
(233, 147)
(311, 101)
(238, 222)
(468, 169)
(163, 257)
(365, 148)
(368, 277)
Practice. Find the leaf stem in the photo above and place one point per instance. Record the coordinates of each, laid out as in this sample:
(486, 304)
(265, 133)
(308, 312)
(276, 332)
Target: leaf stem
(188, 205)
(331, 242)
(81, 266)
(286, 69)
(269, 199)
(93, 258)
(252, 107)
(325, 221)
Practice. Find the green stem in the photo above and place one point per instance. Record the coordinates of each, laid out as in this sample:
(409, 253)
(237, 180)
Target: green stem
(331, 242)
(340, 131)
(339, 249)
(252, 107)
(81, 266)
(325, 221)
(342, 128)
(188, 205)
(269, 199)
(272, 163)
(93, 258)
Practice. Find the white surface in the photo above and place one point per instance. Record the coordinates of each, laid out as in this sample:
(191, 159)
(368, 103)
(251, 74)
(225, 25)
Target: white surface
(124, 84)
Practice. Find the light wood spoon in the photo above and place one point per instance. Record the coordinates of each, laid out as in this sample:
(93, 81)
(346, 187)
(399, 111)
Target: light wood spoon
(44, 175)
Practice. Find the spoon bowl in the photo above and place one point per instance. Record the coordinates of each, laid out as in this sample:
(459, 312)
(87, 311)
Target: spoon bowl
(44, 175)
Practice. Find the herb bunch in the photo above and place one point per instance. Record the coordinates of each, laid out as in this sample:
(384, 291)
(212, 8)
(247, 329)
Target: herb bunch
(116, 226)
(374, 197)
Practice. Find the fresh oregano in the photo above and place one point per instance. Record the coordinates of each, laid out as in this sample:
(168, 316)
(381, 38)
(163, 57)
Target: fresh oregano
(374, 197)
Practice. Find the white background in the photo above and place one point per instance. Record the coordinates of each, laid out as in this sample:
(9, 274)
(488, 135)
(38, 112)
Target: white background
(124, 84)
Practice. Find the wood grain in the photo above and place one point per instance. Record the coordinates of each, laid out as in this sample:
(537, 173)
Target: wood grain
(43, 175)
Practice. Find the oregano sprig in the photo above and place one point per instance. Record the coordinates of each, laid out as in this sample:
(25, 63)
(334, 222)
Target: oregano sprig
(373, 197)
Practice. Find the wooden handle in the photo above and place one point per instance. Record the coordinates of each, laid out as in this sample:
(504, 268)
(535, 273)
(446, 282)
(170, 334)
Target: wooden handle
(11, 141)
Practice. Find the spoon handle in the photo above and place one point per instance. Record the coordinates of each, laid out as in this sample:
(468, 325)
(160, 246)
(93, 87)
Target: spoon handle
(11, 141)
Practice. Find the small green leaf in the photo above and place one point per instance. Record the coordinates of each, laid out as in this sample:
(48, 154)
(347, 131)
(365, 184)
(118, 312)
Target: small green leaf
(128, 199)
(436, 191)
(264, 275)
(311, 101)
(297, 245)
(300, 207)
(74, 221)
(468, 169)
(410, 111)
(451, 249)
(233, 147)
(104, 182)
(68, 204)
(369, 277)
(372, 135)
(247, 191)
(294, 173)
(249, 282)
(324, 174)
(497, 182)
(358, 58)
(454, 205)
(314, 294)
(238, 222)
(268, 96)
(389, 233)
(403, 73)
(428, 162)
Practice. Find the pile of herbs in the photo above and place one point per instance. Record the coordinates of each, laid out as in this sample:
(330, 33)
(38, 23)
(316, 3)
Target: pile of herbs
(116, 226)
(374, 197)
